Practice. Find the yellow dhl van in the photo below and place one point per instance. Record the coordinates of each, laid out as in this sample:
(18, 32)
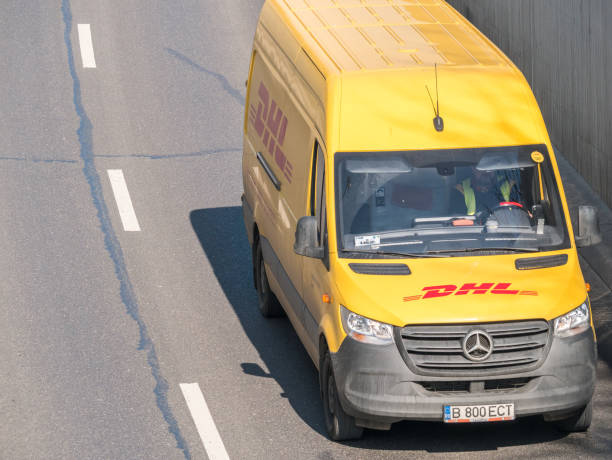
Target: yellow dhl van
(405, 210)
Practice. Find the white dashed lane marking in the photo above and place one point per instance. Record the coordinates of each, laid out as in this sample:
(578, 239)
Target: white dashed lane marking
(86, 44)
(124, 202)
(204, 422)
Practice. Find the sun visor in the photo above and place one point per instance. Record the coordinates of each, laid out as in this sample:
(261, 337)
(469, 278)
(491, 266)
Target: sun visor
(503, 160)
(393, 165)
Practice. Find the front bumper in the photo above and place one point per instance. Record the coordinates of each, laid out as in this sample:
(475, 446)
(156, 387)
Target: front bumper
(376, 386)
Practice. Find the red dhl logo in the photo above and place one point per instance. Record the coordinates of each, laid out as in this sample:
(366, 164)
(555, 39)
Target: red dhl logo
(271, 125)
(468, 288)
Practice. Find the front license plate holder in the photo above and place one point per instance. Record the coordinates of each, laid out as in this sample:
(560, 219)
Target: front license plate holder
(479, 413)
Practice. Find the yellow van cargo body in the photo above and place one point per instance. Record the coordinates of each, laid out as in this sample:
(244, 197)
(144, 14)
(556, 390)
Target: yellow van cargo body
(408, 156)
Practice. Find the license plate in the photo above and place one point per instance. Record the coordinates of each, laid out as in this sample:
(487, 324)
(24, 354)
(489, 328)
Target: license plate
(479, 413)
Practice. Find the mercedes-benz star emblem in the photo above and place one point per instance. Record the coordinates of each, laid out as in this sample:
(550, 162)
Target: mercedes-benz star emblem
(477, 345)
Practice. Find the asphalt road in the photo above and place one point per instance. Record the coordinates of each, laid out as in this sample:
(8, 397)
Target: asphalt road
(99, 327)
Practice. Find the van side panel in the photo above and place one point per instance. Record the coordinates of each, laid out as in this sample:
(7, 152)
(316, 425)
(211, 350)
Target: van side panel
(258, 186)
(262, 172)
(278, 150)
(294, 66)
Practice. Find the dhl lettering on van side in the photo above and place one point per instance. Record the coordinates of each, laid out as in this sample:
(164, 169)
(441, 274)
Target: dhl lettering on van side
(271, 125)
(468, 288)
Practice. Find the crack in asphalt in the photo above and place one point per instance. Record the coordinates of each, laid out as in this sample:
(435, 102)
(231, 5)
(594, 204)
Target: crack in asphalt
(221, 78)
(111, 242)
(37, 160)
(201, 153)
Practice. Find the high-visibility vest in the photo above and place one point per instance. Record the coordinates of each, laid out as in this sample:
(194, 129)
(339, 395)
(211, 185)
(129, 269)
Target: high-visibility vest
(470, 196)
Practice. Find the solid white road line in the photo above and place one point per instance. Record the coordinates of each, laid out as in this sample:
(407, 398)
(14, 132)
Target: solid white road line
(124, 202)
(204, 422)
(87, 53)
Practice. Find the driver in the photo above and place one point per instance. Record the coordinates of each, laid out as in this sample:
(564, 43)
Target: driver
(485, 190)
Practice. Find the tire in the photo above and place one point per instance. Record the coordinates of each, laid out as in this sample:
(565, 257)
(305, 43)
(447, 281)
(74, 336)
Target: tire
(269, 305)
(578, 422)
(339, 425)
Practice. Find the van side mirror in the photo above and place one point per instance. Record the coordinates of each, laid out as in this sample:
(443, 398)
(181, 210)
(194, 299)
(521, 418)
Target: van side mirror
(588, 227)
(306, 237)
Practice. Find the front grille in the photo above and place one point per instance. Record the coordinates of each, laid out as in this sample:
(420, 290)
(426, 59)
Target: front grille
(437, 350)
(488, 386)
(446, 387)
(504, 385)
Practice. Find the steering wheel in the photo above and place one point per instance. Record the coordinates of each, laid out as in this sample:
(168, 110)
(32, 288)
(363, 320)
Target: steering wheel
(509, 205)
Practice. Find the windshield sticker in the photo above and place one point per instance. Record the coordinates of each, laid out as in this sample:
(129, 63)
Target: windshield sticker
(367, 240)
(431, 292)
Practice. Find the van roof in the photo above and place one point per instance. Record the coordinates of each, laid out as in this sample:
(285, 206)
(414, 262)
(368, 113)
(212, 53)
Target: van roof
(379, 55)
(390, 34)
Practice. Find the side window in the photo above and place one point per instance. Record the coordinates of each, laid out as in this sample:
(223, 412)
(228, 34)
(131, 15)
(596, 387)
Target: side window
(317, 196)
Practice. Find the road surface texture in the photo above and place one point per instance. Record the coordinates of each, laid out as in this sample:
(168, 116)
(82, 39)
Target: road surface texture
(118, 296)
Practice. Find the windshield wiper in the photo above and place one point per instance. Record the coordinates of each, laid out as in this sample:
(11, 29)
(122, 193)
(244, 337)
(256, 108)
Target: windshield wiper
(391, 253)
(451, 251)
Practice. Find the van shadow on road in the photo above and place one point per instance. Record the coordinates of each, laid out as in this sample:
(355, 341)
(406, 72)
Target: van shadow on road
(223, 238)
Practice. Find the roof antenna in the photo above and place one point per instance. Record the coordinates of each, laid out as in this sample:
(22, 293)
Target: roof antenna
(438, 121)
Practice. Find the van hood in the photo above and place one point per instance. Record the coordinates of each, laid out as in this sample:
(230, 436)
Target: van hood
(462, 290)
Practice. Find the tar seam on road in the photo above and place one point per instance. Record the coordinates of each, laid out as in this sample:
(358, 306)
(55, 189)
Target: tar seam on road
(36, 160)
(128, 297)
(224, 82)
(172, 155)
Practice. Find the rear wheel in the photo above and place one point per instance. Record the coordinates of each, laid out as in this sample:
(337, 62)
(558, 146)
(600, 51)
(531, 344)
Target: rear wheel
(340, 426)
(577, 422)
(268, 303)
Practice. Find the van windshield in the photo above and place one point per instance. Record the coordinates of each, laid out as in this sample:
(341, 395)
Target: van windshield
(448, 202)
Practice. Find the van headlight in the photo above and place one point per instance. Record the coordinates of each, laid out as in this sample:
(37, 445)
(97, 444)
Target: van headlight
(366, 330)
(576, 321)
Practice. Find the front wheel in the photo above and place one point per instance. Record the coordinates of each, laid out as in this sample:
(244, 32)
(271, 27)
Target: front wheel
(340, 426)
